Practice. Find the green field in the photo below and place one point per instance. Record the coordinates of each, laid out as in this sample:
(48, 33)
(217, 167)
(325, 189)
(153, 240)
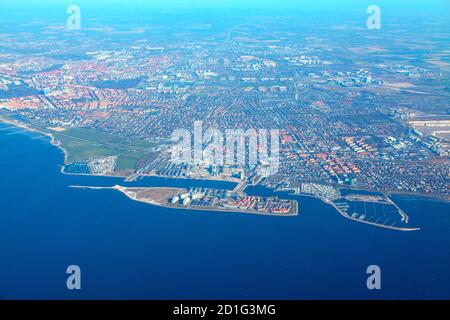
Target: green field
(82, 144)
(128, 161)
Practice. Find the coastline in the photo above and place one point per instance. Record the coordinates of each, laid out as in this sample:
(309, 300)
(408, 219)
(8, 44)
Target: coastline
(54, 142)
(399, 193)
(57, 144)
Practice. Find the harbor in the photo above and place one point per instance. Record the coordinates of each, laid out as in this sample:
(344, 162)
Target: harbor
(206, 199)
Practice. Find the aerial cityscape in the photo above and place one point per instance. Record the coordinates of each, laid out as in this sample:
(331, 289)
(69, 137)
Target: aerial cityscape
(354, 112)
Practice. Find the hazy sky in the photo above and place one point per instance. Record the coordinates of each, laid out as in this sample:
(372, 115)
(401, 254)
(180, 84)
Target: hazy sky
(94, 8)
(224, 3)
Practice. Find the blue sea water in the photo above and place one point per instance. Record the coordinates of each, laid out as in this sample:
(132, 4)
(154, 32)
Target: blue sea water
(131, 250)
